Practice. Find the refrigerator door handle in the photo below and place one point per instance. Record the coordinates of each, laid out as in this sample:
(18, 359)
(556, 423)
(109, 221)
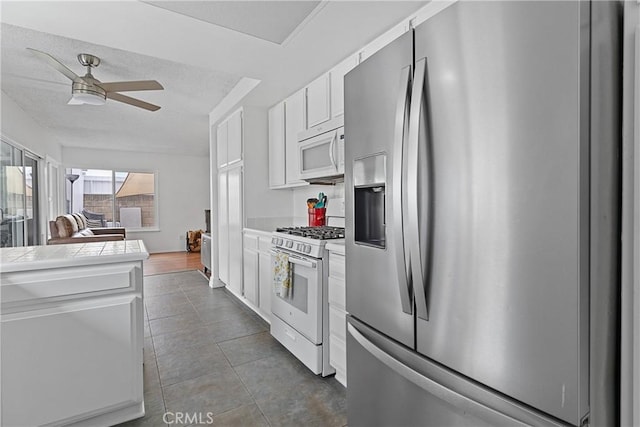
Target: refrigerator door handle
(414, 192)
(432, 387)
(399, 208)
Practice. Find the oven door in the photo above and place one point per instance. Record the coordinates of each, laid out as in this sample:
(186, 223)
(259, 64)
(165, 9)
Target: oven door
(301, 309)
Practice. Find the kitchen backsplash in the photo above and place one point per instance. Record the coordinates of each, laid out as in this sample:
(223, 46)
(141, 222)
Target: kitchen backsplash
(335, 203)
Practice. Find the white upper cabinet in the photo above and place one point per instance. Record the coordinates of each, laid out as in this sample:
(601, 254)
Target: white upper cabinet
(277, 142)
(295, 122)
(229, 140)
(221, 144)
(234, 140)
(318, 101)
(337, 84)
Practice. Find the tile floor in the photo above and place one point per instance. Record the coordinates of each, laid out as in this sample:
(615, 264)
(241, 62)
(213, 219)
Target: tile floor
(209, 356)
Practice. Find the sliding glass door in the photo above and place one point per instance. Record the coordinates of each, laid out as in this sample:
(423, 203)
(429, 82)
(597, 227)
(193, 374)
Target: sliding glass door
(19, 197)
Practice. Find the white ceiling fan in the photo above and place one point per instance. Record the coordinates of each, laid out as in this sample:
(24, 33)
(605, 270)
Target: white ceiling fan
(89, 90)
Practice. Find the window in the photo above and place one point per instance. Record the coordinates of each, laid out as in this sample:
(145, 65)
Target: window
(114, 198)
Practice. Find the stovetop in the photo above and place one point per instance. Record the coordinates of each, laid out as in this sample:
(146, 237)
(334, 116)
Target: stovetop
(307, 241)
(319, 233)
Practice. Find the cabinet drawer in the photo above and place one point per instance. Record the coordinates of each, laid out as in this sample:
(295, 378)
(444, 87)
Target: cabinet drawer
(250, 241)
(337, 293)
(264, 244)
(307, 352)
(337, 323)
(336, 265)
(23, 287)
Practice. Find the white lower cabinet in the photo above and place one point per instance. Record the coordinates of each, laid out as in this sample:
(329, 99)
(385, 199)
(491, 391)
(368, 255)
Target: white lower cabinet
(257, 272)
(337, 314)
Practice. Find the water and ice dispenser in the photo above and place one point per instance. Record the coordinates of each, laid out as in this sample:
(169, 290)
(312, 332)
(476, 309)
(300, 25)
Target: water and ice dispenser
(369, 187)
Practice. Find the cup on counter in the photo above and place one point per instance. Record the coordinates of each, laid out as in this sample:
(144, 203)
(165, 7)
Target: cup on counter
(317, 217)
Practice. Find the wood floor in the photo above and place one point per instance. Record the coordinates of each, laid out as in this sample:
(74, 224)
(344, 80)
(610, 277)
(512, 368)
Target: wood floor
(170, 262)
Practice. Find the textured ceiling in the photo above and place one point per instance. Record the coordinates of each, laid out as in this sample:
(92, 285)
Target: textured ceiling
(197, 62)
(189, 93)
(271, 21)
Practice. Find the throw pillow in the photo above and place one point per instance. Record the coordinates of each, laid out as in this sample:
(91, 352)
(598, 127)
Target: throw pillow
(67, 225)
(79, 221)
(94, 223)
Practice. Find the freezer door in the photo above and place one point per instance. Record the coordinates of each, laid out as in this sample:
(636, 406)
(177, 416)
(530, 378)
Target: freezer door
(376, 97)
(390, 385)
(506, 289)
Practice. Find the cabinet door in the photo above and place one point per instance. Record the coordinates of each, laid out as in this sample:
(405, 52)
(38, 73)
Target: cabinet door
(277, 163)
(251, 281)
(234, 139)
(235, 229)
(223, 229)
(71, 360)
(266, 283)
(221, 144)
(318, 105)
(337, 85)
(295, 122)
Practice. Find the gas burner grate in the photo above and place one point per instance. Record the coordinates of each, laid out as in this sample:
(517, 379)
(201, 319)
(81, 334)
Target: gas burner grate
(319, 233)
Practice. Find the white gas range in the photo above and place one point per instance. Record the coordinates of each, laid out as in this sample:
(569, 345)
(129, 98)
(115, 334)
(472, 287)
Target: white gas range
(301, 318)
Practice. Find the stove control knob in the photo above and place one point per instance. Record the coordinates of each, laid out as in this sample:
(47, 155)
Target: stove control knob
(307, 249)
(289, 244)
(299, 247)
(279, 242)
(274, 240)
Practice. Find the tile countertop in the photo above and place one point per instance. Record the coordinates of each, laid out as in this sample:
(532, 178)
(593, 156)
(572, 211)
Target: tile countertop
(336, 246)
(70, 255)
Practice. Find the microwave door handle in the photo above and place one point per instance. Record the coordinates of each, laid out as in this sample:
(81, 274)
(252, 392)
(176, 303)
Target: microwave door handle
(418, 221)
(400, 226)
(332, 146)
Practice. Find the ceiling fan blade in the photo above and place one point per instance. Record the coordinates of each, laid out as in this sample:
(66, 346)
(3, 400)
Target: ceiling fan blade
(132, 101)
(55, 63)
(131, 86)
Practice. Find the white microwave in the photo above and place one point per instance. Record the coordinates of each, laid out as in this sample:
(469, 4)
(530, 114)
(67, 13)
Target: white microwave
(321, 152)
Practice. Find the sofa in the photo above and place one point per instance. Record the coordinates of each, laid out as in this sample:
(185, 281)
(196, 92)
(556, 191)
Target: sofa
(73, 228)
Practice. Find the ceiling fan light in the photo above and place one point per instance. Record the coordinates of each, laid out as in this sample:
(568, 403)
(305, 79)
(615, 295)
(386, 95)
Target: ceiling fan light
(87, 98)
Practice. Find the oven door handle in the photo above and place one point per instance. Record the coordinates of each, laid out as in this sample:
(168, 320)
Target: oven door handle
(302, 262)
(295, 260)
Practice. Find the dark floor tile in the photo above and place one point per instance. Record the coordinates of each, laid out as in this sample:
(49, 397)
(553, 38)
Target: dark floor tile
(180, 322)
(192, 279)
(171, 342)
(217, 314)
(245, 416)
(250, 348)
(149, 420)
(234, 328)
(160, 311)
(214, 394)
(150, 374)
(269, 377)
(189, 363)
(159, 288)
(311, 404)
(164, 301)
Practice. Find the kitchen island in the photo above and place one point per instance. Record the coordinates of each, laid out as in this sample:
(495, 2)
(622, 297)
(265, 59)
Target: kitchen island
(72, 333)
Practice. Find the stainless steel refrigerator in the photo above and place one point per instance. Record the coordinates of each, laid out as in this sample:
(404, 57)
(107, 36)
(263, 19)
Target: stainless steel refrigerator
(482, 228)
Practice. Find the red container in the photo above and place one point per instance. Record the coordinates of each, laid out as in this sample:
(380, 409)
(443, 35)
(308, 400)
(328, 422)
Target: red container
(317, 217)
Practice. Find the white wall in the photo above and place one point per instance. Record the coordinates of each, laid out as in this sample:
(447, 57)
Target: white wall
(19, 127)
(183, 190)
